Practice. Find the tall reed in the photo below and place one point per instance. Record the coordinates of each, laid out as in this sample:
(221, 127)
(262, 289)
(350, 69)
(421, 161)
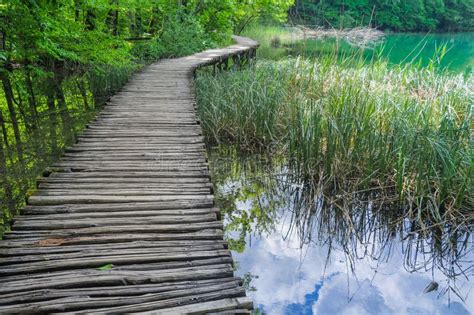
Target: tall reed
(352, 126)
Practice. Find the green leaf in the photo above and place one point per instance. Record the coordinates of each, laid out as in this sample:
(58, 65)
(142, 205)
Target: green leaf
(106, 267)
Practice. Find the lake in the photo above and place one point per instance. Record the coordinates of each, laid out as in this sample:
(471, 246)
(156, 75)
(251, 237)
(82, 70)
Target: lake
(408, 48)
(299, 252)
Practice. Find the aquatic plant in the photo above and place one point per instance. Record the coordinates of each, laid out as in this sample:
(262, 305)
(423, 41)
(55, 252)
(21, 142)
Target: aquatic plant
(348, 126)
(259, 196)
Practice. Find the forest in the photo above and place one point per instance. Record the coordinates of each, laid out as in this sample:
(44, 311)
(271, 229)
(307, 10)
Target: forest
(61, 60)
(397, 16)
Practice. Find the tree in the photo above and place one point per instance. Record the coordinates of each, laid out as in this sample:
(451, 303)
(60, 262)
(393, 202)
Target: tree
(401, 15)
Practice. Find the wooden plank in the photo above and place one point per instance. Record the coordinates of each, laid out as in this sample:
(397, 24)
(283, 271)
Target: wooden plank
(133, 192)
(145, 175)
(176, 266)
(96, 278)
(109, 291)
(22, 225)
(56, 178)
(222, 306)
(59, 248)
(96, 262)
(119, 229)
(164, 299)
(138, 185)
(207, 234)
(113, 207)
(106, 253)
(87, 199)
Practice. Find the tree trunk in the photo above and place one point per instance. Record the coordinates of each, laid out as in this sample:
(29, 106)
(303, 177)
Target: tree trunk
(82, 90)
(90, 23)
(8, 203)
(53, 121)
(4, 130)
(7, 152)
(138, 22)
(112, 18)
(11, 109)
(154, 20)
(132, 26)
(31, 99)
(26, 116)
(66, 120)
(77, 10)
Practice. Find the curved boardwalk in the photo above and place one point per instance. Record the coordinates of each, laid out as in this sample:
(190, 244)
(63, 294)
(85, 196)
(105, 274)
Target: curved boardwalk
(125, 222)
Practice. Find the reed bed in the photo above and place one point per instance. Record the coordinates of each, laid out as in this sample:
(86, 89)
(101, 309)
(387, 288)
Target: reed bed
(346, 126)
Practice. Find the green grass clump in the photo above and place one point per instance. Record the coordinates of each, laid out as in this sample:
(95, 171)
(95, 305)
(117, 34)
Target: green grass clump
(275, 41)
(350, 126)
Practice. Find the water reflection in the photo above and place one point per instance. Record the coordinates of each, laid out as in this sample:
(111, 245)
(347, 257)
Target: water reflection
(303, 252)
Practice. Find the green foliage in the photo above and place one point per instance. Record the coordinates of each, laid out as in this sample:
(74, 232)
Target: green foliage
(401, 16)
(61, 60)
(191, 34)
(105, 267)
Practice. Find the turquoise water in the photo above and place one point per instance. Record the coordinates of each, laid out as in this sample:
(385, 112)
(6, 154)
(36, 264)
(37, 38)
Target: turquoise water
(418, 49)
(459, 56)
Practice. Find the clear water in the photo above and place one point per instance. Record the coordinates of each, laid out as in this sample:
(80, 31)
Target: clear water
(418, 49)
(300, 257)
(422, 48)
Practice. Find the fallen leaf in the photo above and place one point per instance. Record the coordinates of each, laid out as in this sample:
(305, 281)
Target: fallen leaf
(431, 287)
(106, 267)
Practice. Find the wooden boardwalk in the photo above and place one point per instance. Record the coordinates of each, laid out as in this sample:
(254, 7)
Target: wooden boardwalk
(125, 222)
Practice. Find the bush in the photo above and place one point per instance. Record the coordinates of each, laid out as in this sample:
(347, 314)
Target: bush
(183, 36)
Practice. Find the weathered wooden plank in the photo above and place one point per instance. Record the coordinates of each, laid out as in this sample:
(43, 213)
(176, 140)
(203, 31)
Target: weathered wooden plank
(197, 264)
(163, 299)
(170, 158)
(23, 259)
(124, 215)
(134, 177)
(171, 164)
(145, 175)
(87, 199)
(207, 234)
(122, 192)
(93, 222)
(138, 185)
(109, 291)
(119, 229)
(97, 278)
(57, 247)
(134, 192)
(96, 262)
(113, 207)
(227, 300)
(140, 149)
(222, 306)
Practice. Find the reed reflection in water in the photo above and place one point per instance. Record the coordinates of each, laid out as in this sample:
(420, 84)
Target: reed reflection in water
(303, 249)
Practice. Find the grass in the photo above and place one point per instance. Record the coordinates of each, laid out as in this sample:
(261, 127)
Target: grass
(349, 126)
(275, 41)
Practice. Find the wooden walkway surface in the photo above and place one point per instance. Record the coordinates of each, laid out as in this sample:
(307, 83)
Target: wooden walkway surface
(125, 222)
